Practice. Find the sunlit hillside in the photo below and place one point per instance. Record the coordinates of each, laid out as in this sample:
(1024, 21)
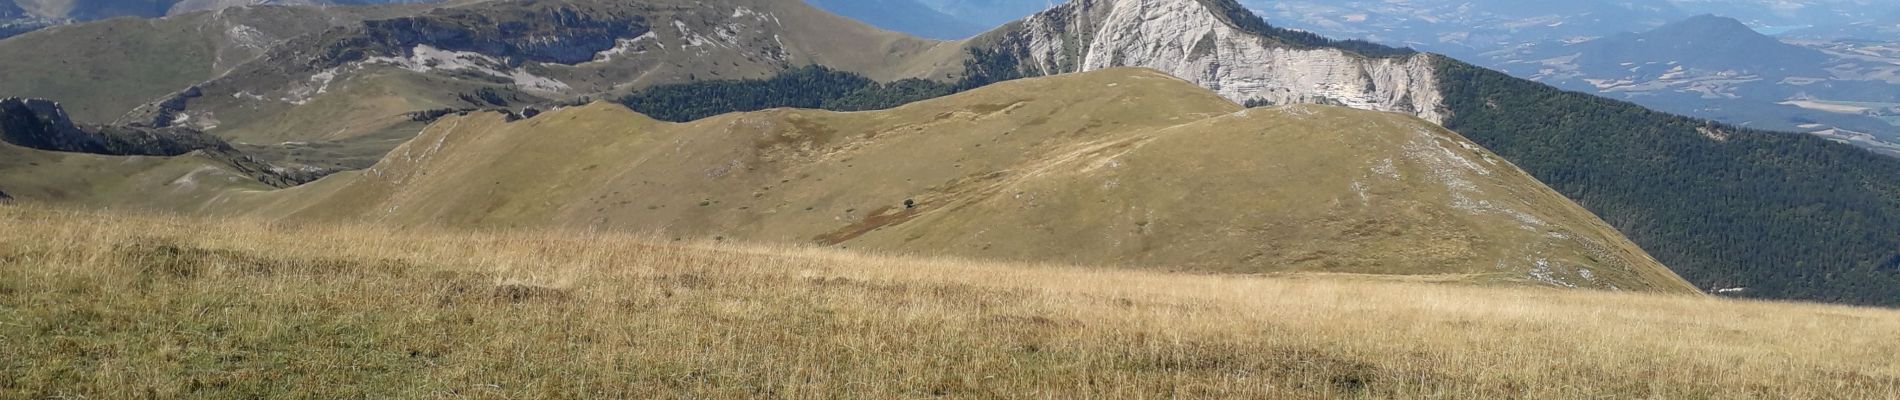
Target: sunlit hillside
(1120, 167)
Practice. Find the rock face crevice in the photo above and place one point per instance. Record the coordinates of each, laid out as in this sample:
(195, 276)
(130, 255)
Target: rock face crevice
(1191, 40)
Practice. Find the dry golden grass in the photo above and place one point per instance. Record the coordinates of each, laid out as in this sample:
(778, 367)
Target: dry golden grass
(1112, 167)
(99, 305)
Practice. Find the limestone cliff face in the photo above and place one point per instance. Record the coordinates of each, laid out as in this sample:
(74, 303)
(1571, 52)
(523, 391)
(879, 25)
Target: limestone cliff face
(1198, 41)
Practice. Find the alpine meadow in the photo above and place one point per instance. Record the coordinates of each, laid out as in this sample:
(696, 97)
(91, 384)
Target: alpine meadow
(1298, 199)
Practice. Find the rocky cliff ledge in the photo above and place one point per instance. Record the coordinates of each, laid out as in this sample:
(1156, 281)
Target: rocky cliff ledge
(1208, 42)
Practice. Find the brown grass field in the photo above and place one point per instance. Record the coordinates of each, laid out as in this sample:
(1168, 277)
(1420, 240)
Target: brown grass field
(110, 305)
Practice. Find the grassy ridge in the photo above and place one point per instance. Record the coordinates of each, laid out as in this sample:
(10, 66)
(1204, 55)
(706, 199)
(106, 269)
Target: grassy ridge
(1107, 168)
(119, 306)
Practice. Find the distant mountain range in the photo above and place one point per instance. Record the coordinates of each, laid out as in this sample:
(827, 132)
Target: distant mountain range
(1833, 71)
(21, 16)
(908, 16)
(1455, 27)
(1465, 28)
(991, 13)
(1701, 42)
(1884, 28)
(1719, 68)
(938, 19)
(1810, 19)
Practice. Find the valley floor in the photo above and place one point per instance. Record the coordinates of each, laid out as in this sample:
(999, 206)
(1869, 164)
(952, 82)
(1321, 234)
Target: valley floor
(102, 305)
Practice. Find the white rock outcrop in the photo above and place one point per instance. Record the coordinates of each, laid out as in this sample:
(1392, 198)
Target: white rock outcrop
(1187, 39)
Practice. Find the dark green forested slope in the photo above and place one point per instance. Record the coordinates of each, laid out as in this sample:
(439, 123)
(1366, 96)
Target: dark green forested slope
(1240, 17)
(814, 87)
(807, 87)
(1785, 215)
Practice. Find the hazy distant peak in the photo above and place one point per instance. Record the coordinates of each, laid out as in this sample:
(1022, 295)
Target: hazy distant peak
(1708, 24)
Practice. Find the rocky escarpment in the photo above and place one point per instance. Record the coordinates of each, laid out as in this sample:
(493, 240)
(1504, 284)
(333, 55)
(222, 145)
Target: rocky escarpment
(564, 34)
(40, 124)
(16, 26)
(15, 21)
(165, 111)
(1219, 45)
(43, 125)
(487, 45)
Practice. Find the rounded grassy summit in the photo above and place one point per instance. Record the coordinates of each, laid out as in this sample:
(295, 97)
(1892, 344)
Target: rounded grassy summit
(1123, 167)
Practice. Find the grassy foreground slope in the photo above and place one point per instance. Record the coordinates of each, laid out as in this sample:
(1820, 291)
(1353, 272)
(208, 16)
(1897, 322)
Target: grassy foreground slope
(1120, 167)
(103, 305)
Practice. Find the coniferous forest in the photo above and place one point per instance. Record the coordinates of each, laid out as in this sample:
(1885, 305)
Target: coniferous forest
(1784, 215)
